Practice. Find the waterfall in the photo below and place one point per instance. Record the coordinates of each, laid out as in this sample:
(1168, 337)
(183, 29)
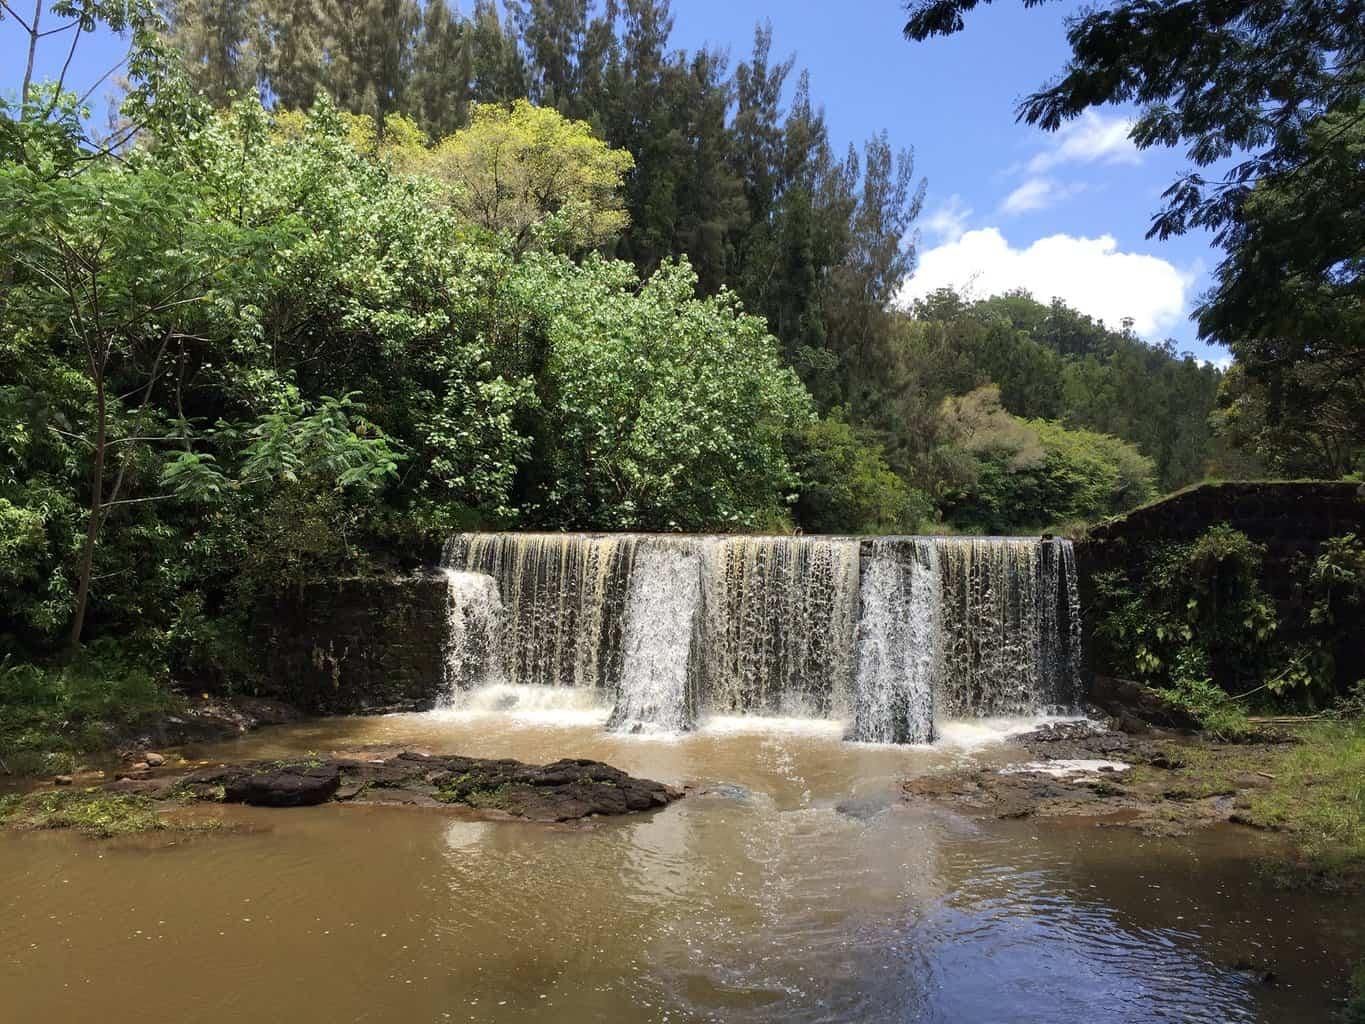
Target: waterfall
(473, 617)
(780, 620)
(1003, 602)
(564, 595)
(889, 632)
(659, 662)
(898, 649)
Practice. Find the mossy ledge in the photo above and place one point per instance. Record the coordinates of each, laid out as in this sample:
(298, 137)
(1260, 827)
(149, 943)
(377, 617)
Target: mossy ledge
(1305, 784)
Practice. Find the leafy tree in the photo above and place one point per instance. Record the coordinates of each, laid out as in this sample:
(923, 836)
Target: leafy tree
(1242, 76)
(1309, 424)
(222, 46)
(533, 176)
(48, 128)
(847, 486)
(1290, 299)
(1275, 92)
(1005, 473)
(103, 264)
(657, 409)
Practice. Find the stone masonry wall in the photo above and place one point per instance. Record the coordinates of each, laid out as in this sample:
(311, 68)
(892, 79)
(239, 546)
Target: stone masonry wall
(356, 645)
(1291, 519)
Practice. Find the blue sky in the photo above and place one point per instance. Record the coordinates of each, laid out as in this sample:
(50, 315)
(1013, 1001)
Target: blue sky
(1008, 205)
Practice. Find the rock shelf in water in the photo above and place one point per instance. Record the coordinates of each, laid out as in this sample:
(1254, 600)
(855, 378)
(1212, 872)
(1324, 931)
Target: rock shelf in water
(1078, 770)
(566, 790)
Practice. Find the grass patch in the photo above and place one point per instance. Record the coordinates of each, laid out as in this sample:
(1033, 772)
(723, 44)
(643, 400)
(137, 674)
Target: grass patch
(470, 789)
(1318, 795)
(51, 716)
(94, 813)
(1313, 791)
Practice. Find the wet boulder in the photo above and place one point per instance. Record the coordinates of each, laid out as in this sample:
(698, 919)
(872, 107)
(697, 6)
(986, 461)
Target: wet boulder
(280, 784)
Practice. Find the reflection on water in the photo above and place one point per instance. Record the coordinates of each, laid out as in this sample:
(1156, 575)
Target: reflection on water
(795, 889)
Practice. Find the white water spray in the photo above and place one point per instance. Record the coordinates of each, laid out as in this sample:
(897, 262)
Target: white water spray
(659, 661)
(898, 644)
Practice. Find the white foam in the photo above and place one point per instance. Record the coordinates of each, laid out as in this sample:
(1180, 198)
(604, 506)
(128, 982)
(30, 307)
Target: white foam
(970, 734)
(540, 705)
(724, 725)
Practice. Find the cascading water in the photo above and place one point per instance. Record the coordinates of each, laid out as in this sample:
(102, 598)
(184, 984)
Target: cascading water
(898, 650)
(780, 620)
(565, 597)
(1003, 652)
(890, 632)
(658, 691)
(473, 619)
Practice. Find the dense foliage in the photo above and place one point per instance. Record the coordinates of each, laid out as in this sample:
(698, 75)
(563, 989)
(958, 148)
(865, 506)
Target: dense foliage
(1197, 620)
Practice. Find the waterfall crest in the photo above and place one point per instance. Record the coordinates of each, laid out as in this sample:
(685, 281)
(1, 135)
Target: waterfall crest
(888, 632)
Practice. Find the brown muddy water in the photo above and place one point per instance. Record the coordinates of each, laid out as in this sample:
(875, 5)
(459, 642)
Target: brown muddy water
(760, 901)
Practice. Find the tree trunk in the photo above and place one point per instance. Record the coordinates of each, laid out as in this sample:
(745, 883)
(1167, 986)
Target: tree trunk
(92, 528)
(32, 51)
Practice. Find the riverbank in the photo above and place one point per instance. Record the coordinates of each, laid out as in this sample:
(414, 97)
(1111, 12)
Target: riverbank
(1304, 781)
(74, 730)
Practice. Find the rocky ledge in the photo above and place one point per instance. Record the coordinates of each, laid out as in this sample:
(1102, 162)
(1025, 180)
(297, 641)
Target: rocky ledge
(1158, 785)
(566, 790)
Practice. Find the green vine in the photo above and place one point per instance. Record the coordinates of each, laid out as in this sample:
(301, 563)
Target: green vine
(1195, 621)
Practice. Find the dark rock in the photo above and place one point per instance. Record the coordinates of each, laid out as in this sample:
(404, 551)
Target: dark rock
(1134, 703)
(563, 791)
(63, 780)
(271, 784)
(208, 719)
(863, 810)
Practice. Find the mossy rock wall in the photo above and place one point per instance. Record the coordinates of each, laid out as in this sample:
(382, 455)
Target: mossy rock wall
(356, 645)
(1290, 519)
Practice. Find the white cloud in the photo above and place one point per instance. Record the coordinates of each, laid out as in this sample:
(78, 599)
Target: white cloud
(1089, 274)
(1038, 194)
(1090, 138)
(948, 221)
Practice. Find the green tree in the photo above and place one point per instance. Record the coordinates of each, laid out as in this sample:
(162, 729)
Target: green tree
(1273, 92)
(847, 486)
(1238, 77)
(531, 175)
(657, 409)
(1290, 299)
(103, 266)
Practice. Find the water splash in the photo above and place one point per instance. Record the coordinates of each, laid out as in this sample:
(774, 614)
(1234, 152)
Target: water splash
(474, 615)
(898, 643)
(658, 691)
